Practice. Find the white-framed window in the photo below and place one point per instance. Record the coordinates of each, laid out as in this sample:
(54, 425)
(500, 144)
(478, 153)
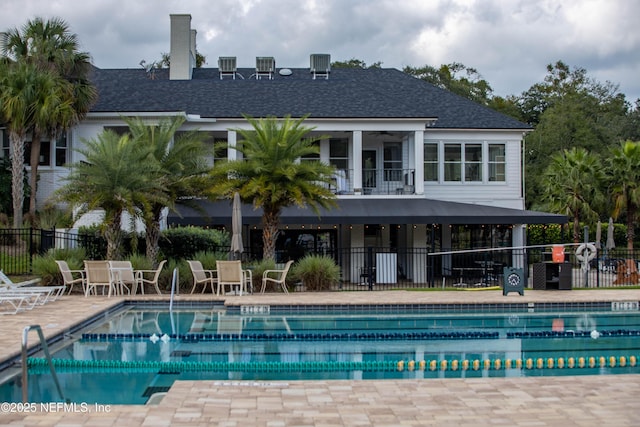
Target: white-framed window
(62, 150)
(497, 163)
(453, 162)
(313, 157)
(473, 162)
(6, 150)
(431, 163)
(392, 161)
(339, 153)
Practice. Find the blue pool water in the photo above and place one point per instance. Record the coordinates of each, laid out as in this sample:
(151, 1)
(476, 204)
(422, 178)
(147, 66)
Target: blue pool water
(138, 351)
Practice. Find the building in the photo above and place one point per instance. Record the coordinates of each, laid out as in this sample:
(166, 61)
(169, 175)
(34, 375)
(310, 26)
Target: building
(419, 167)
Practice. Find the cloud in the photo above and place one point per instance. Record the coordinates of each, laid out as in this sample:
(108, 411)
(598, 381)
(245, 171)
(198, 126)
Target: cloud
(509, 43)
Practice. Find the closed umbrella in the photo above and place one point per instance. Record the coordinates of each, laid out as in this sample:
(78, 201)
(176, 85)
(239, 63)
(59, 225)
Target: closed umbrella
(599, 235)
(236, 227)
(610, 242)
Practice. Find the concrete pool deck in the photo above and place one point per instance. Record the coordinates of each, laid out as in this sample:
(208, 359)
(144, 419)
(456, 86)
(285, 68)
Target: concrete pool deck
(532, 401)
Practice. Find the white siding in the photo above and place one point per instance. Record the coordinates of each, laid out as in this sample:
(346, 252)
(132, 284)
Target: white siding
(502, 194)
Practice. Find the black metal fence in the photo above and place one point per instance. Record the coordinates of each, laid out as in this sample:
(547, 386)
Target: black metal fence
(383, 268)
(18, 246)
(372, 268)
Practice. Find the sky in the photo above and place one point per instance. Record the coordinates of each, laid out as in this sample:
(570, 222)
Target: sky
(509, 42)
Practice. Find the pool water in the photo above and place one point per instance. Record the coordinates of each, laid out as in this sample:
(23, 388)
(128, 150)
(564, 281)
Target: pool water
(139, 352)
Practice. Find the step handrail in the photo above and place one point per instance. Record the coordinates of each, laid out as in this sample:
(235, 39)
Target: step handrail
(45, 349)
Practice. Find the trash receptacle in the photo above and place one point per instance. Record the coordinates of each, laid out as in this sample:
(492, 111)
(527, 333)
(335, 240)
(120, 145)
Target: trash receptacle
(513, 280)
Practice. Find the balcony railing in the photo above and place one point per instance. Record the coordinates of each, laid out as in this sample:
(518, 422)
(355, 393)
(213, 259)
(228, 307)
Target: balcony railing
(375, 182)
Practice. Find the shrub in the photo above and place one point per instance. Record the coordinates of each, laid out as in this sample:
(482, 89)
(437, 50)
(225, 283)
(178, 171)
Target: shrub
(45, 265)
(317, 272)
(185, 242)
(256, 273)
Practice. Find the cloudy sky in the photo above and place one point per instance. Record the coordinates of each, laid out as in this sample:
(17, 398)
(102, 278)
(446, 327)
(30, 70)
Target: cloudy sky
(509, 42)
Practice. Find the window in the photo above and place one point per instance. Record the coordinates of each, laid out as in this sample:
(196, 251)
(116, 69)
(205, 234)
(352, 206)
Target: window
(119, 130)
(45, 153)
(315, 156)
(6, 151)
(61, 150)
(473, 162)
(392, 161)
(453, 162)
(431, 162)
(339, 153)
(497, 164)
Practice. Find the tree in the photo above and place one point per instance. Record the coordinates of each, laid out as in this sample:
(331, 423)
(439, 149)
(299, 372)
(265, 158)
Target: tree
(272, 174)
(355, 63)
(571, 186)
(118, 176)
(624, 171)
(182, 163)
(26, 94)
(51, 48)
(568, 110)
(456, 78)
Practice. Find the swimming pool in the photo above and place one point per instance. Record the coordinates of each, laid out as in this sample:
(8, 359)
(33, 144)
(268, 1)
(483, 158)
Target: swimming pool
(140, 351)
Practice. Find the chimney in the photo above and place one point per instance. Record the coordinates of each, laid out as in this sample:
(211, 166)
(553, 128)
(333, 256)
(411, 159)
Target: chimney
(183, 48)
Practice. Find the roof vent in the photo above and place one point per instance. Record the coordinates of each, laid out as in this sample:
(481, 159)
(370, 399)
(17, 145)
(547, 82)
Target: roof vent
(320, 65)
(227, 66)
(265, 67)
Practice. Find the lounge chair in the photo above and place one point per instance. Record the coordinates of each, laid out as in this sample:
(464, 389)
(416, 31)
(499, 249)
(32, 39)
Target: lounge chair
(230, 274)
(152, 280)
(280, 277)
(72, 277)
(38, 294)
(99, 275)
(202, 276)
(14, 303)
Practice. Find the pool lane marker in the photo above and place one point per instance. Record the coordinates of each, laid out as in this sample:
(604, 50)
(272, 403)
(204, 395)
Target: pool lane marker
(39, 365)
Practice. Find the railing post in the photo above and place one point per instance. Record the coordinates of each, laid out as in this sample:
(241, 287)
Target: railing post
(370, 267)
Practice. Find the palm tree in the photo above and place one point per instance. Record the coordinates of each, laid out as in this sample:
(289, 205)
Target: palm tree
(26, 95)
(183, 165)
(572, 186)
(271, 174)
(624, 170)
(49, 46)
(117, 176)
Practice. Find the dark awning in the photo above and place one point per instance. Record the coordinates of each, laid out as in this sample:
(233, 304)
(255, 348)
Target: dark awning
(369, 211)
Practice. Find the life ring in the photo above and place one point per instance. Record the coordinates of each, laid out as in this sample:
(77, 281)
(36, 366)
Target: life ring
(585, 323)
(590, 249)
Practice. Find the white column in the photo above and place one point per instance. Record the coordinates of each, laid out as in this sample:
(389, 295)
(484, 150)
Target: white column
(357, 159)
(232, 153)
(418, 142)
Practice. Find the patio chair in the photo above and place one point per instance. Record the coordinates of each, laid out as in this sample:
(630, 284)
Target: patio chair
(123, 276)
(279, 279)
(69, 278)
(202, 276)
(229, 274)
(99, 275)
(141, 280)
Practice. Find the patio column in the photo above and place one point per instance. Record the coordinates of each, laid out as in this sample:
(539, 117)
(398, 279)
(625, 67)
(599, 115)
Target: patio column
(418, 141)
(357, 160)
(232, 153)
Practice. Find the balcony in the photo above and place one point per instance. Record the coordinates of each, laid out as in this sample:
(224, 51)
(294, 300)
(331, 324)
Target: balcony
(375, 182)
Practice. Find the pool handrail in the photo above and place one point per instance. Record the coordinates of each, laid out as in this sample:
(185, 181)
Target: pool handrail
(45, 349)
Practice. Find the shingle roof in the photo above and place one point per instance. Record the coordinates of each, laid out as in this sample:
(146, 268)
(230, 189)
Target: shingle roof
(349, 93)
